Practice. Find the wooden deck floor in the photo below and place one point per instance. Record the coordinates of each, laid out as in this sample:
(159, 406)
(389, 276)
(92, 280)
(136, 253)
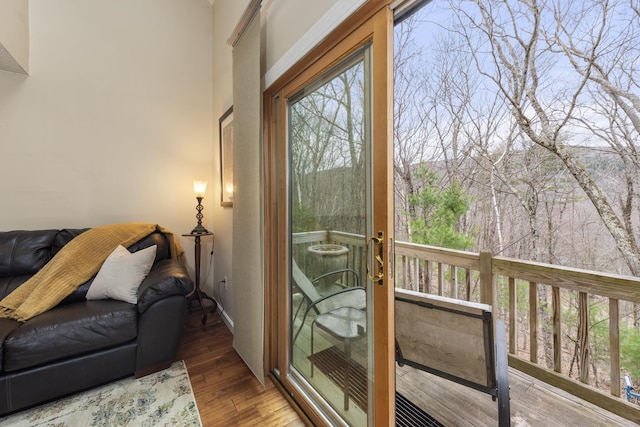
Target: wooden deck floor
(533, 403)
(228, 394)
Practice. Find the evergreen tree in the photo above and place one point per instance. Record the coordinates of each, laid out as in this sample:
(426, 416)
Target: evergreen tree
(438, 213)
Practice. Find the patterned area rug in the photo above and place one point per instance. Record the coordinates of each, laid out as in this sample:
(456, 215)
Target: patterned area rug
(161, 399)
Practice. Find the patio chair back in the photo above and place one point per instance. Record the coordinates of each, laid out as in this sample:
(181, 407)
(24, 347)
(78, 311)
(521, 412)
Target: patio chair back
(347, 297)
(309, 292)
(457, 340)
(354, 296)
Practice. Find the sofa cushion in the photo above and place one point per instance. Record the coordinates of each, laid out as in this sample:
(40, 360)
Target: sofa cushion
(121, 274)
(25, 252)
(70, 330)
(157, 238)
(6, 327)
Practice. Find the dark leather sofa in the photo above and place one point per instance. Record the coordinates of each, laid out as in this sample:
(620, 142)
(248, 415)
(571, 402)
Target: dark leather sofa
(80, 344)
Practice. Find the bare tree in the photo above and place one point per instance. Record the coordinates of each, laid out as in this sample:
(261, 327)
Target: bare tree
(328, 153)
(411, 112)
(520, 46)
(534, 106)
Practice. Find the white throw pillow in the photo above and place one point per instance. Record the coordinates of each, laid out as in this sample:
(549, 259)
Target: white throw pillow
(121, 274)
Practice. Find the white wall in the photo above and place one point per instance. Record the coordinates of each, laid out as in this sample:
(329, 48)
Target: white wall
(294, 27)
(287, 21)
(115, 120)
(14, 36)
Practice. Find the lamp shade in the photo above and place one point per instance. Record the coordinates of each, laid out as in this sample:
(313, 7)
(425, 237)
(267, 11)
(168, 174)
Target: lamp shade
(199, 187)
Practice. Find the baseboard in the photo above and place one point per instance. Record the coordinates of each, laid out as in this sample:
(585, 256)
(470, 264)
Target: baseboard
(226, 319)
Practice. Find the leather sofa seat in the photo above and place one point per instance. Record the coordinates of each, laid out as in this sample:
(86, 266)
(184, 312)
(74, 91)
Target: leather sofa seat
(70, 330)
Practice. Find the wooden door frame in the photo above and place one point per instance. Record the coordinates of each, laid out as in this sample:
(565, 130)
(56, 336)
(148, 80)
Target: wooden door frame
(371, 23)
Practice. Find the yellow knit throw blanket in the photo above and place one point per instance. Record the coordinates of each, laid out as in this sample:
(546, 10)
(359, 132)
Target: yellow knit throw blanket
(77, 261)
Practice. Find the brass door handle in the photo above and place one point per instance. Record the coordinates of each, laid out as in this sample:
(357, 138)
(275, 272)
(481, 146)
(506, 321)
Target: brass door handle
(378, 257)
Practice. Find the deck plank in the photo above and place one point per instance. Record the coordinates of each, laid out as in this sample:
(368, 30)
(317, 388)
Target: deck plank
(533, 403)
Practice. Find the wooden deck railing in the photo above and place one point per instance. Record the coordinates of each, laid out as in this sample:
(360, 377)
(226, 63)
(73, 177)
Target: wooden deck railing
(525, 290)
(520, 291)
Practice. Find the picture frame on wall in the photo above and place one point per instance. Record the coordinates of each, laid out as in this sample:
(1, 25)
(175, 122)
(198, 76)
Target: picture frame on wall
(226, 158)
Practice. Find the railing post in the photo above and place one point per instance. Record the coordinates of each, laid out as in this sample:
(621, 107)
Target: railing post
(487, 289)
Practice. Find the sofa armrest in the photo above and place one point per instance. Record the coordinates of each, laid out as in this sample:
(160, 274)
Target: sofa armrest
(159, 332)
(168, 277)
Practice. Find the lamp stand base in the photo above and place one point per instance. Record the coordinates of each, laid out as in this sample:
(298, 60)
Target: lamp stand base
(200, 297)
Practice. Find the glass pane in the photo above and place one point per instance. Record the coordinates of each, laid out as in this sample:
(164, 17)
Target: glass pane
(329, 168)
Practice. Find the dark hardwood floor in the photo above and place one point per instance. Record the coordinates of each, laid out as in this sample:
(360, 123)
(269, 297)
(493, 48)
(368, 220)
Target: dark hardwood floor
(227, 393)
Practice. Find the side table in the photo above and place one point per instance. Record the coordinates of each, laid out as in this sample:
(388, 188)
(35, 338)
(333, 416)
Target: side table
(200, 295)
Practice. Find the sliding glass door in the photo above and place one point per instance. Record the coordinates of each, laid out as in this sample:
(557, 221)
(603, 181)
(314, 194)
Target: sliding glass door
(331, 213)
(329, 141)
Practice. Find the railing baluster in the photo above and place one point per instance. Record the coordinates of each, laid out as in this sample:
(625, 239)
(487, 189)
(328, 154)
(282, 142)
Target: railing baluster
(454, 273)
(533, 322)
(411, 276)
(427, 276)
(416, 274)
(513, 327)
(467, 283)
(583, 335)
(362, 264)
(557, 329)
(352, 262)
(614, 345)
(405, 282)
(440, 279)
